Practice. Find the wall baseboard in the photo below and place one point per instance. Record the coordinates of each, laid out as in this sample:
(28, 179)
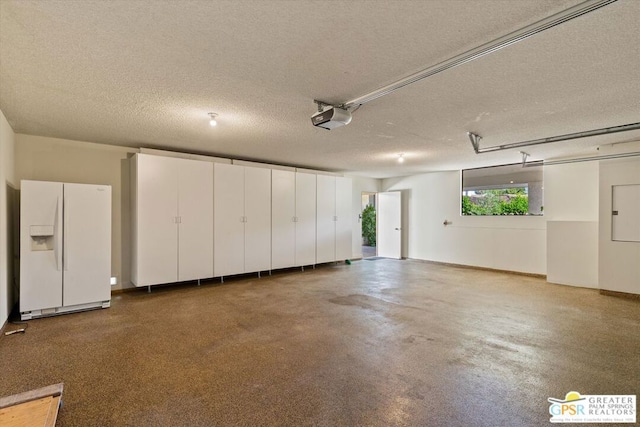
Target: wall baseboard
(474, 267)
(617, 294)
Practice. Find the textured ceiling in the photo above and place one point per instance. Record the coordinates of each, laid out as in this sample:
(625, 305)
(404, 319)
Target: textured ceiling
(146, 73)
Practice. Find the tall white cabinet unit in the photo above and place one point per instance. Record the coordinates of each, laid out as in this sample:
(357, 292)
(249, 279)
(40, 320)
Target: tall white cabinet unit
(65, 248)
(293, 220)
(172, 224)
(333, 224)
(305, 219)
(283, 217)
(242, 219)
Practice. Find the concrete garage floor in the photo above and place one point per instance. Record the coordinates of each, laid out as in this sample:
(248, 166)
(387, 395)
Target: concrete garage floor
(380, 343)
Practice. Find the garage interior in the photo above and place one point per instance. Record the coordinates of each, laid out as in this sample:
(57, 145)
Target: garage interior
(478, 319)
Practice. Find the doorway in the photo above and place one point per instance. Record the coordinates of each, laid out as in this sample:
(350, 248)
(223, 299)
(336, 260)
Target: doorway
(368, 222)
(381, 218)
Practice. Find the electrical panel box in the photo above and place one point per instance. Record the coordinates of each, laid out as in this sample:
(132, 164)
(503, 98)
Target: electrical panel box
(625, 214)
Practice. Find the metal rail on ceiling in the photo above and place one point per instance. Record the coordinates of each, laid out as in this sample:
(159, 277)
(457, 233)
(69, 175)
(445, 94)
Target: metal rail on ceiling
(482, 50)
(475, 138)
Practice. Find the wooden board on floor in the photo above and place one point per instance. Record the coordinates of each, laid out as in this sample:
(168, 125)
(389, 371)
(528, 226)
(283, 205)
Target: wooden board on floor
(33, 408)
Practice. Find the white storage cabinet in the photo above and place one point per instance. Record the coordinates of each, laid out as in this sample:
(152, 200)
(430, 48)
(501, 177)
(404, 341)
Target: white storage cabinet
(293, 219)
(333, 222)
(172, 219)
(242, 219)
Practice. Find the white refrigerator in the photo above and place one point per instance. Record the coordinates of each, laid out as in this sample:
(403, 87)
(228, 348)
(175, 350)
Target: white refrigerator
(65, 248)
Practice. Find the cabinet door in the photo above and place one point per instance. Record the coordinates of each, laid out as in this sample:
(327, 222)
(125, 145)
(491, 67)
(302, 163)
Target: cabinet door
(257, 193)
(283, 212)
(305, 219)
(228, 219)
(87, 244)
(343, 218)
(325, 221)
(156, 212)
(195, 227)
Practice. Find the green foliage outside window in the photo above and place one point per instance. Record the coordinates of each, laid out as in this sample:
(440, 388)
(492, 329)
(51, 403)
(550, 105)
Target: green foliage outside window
(369, 225)
(518, 205)
(509, 201)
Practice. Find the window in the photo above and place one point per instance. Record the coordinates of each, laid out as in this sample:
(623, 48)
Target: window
(502, 190)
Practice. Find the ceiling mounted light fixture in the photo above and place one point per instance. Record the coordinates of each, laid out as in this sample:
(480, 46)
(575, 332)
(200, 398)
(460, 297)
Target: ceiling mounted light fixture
(401, 158)
(212, 120)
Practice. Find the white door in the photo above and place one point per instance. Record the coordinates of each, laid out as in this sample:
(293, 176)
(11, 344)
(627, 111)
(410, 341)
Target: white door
(86, 256)
(257, 213)
(305, 246)
(389, 220)
(40, 245)
(325, 219)
(195, 223)
(625, 221)
(283, 225)
(343, 218)
(157, 213)
(228, 219)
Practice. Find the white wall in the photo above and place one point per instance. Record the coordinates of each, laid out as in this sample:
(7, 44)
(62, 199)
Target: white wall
(7, 190)
(52, 159)
(571, 209)
(571, 191)
(511, 243)
(360, 184)
(619, 262)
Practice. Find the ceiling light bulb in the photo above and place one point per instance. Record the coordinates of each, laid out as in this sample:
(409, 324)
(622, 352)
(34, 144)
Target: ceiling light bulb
(213, 121)
(401, 158)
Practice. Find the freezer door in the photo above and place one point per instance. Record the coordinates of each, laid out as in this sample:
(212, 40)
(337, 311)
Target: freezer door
(86, 256)
(40, 245)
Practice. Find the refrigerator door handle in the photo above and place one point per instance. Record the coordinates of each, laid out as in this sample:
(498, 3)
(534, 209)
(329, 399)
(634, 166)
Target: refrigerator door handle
(65, 245)
(57, 234)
